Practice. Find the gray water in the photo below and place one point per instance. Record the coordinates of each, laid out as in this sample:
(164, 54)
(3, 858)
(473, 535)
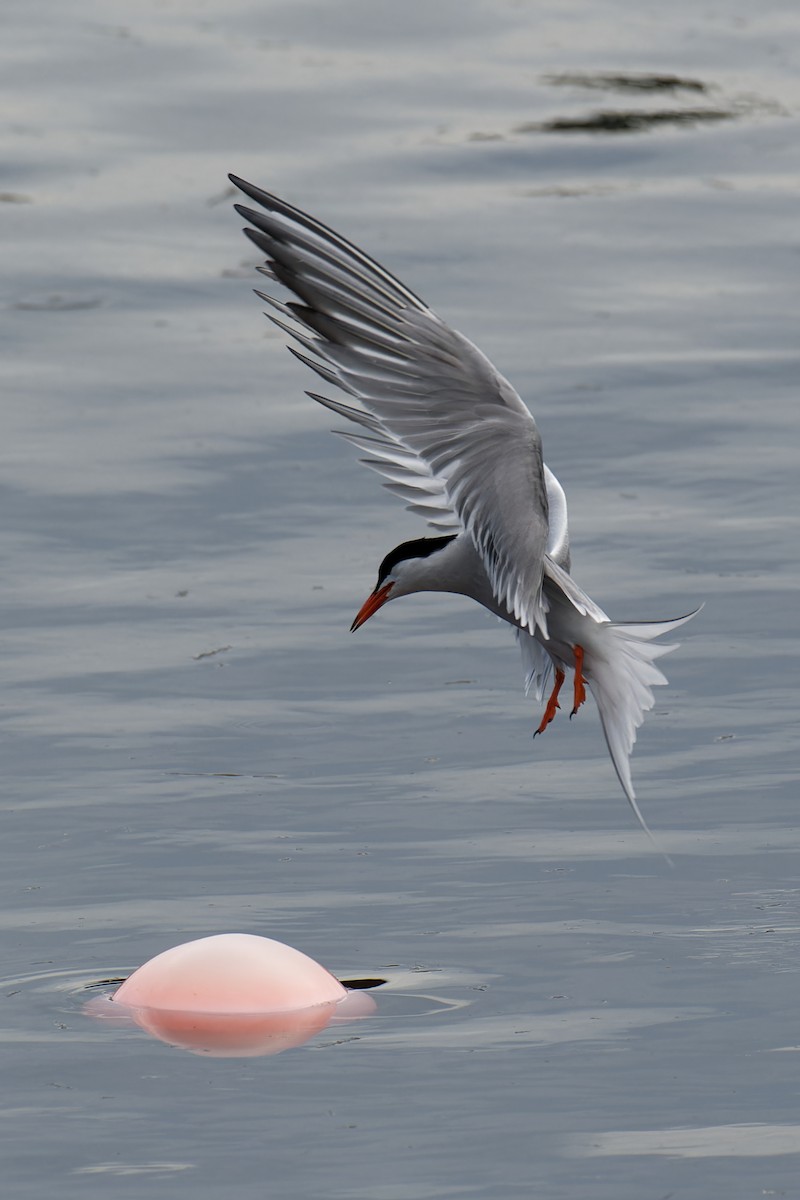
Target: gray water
(193, 742)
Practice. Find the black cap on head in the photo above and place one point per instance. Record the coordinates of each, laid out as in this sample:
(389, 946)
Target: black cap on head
(418, 548)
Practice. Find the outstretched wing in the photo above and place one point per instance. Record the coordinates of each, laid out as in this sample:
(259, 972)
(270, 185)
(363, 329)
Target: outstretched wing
(448, 432)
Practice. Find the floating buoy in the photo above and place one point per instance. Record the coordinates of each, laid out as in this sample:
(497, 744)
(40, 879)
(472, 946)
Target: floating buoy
(231, 973)
(232, 994)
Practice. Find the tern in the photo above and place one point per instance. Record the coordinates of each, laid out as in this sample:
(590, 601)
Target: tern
(454, 440)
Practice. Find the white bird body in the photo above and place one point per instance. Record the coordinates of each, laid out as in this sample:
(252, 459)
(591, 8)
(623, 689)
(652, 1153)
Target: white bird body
(459, 568)
(453, 439)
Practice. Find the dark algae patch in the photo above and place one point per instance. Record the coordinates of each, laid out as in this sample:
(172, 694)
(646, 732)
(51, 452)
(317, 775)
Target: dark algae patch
(627, 120)
(613, 82)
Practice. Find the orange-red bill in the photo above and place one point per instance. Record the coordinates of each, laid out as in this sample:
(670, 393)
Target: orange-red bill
(371, 605)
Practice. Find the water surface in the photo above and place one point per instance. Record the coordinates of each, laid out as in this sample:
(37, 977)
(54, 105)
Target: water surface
(193, 742)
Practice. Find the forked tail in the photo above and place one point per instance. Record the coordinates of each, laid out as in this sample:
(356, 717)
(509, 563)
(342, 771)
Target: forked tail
(622, 674)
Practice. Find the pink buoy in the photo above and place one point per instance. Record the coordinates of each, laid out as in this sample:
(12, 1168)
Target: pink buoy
(231, 973)
(232, 994)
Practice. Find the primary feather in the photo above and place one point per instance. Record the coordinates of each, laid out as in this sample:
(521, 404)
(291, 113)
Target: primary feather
(435, 407)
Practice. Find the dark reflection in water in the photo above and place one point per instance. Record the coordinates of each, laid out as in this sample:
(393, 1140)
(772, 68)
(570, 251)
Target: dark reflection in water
(356, 985)
(628, 120)
(625, 83)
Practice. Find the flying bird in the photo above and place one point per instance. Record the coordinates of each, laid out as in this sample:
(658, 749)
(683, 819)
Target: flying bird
(453, 439)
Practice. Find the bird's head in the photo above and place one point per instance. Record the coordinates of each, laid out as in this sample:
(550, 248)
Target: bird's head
(410, 567)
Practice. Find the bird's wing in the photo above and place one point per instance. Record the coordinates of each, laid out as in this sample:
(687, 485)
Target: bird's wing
(448, 431)
(577, 597)
(557, 521)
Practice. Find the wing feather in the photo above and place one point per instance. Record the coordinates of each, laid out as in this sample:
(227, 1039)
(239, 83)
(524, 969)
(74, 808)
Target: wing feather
(448, 432)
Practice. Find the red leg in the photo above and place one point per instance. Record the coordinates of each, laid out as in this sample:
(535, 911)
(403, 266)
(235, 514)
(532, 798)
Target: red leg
(580, 691)
(552, 703)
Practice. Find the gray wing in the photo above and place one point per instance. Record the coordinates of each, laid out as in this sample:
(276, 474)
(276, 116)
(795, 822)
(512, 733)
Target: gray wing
(536, 661)
(447, 430)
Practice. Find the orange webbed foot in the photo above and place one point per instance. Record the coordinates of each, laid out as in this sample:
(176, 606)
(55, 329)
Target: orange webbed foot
(579, 694)
(552, 703)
